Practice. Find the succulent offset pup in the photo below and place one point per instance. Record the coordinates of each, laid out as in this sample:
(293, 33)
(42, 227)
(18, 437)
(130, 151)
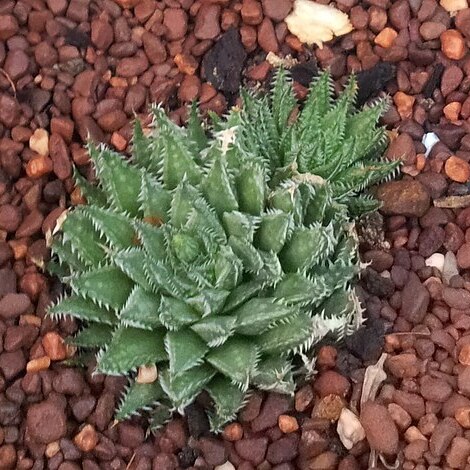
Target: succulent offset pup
(216, 260)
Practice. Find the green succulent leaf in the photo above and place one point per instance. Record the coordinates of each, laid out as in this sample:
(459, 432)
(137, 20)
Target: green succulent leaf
(120, 181)
(155, 200)
(132, 263)
(116, 228)
(83, 239)
(257, 315)
(182, 390)
(176, 314)
(228, 400)
(215, 330)
(139, 397)
(218, 188)
(82, 309)
(209, 301)
(94, 195)
(94, 335)
(236, 359)
(274, 373)
(251, 188)
(141, 310)
(107, 286)
(185, 350)
(196, 131)
(159, 417)
(294, 335)
(131, 348)
(273, 231)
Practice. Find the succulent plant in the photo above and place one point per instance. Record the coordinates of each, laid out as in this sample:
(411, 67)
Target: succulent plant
(216, 258)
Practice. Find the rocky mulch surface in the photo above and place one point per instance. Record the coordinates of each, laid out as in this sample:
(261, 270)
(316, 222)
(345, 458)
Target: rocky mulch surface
(79, 68)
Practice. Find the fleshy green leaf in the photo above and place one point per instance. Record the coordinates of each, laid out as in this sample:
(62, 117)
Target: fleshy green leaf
(120, 181)
(155, 200)
(175, 313)
(257, 315)
(251, 189)
(272, 232)
(159, 417)
(292, 336)
(141, 310)
(239, 225)
(217, 188)
(93, 336)
(153, 240)
(130, 348)
(283, 100)
(139, 397)
(92, 193)
(132, 263)
(274, 373)
(82, 309)
(236, 359)
(178, 162)
(215, 330)
(84, 240)
(241, 294)
(185, 350)
(183, 389)
(228, 400)
(116, 228)
(209, 301)
(108, 286)
(306, 247)
(195, 130)
(252, 260)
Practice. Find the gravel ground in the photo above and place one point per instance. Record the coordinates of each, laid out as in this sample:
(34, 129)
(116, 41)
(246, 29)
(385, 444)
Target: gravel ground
(79, 67)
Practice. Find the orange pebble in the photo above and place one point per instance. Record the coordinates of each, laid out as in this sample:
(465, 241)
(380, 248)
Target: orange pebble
(39, 166)
(453, 44)
(452, 111)
(54, 346)
(287, 424)
(233, 432)
(464, 355)
(28, 319)
(186, 64)
(404, 104)
(36, 365)
(19, 247)
(420, 161)
(294, 43)
(386, 37)
(87, 439)
(457, 169)
(117, 82)
(52, 449)
(462, 416)
(118, 141)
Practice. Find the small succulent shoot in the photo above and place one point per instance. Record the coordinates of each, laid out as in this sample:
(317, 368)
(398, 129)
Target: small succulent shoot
(214, 260)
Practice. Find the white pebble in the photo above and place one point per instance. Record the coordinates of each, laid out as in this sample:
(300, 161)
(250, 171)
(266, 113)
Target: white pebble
(436, 261)
(429, 141)
(226, 466)
(454, 5)
(39, 142)
(349, 428)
